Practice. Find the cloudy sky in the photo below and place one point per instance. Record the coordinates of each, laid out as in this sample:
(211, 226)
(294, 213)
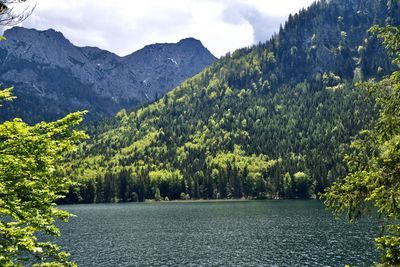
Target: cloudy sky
(124, 26)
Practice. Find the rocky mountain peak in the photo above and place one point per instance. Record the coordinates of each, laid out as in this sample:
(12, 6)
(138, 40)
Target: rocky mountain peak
(53, 77)
(45, 47)
(20, 34)
(191, 42)
(24, 33)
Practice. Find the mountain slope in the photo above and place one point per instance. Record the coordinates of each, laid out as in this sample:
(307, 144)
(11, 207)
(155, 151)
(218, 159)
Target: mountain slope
(52, 77)
(271, 120)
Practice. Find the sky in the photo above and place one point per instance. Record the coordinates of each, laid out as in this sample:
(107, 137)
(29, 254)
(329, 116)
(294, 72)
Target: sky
(124, 26)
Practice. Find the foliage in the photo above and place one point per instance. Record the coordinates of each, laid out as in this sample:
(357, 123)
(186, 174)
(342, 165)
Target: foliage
(272, 120)
(374, 165)
(6, 95)
(29, 188)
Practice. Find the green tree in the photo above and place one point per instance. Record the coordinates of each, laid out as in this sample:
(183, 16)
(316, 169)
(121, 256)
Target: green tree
(157, 195)
(29, 182)
(303, 185)
(374, 165)
(110, 187)
(99, 189)
(29, 187)
(124, 178)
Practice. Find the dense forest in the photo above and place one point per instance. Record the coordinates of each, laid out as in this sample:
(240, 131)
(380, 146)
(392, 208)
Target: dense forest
(269, 121)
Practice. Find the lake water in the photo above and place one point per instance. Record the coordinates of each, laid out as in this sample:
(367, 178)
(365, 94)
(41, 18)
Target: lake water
(247, 233)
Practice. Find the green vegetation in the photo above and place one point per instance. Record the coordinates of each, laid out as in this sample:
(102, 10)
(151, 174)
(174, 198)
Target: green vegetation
(269, 121)
(29, 189)
(29, 186)
(374, 164)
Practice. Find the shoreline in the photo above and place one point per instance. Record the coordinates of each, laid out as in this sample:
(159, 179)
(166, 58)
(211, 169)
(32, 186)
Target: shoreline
(198, 200)
(152, 201)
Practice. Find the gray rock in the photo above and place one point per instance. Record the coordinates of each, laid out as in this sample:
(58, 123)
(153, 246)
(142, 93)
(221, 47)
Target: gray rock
(53, 77)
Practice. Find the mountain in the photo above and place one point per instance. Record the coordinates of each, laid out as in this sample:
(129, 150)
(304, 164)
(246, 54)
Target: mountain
(52, 77)
(269, 121)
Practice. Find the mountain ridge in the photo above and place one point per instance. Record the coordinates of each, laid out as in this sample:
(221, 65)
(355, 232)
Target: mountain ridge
(53, 77)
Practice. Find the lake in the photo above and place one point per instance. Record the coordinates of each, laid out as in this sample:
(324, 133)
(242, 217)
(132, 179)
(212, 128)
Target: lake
(243, 233)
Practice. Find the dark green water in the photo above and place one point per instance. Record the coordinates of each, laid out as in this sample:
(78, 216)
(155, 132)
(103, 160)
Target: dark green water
(253, 233)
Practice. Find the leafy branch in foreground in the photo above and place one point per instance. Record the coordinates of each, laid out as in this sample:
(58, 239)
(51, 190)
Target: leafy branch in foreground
(13, 12)
(374, 165)
(6, 95)
(29, 188)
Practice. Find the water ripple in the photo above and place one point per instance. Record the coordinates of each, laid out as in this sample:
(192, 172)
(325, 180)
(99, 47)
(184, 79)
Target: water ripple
(254, 233)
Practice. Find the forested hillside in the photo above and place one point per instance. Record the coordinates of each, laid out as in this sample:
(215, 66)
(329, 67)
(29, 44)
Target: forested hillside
(269, 121)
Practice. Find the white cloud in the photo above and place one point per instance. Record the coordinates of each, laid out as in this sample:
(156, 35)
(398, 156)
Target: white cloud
(123, 26)
(262, 25)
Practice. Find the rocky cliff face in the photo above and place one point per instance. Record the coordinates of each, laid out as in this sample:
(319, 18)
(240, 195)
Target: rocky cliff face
(52, 77)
